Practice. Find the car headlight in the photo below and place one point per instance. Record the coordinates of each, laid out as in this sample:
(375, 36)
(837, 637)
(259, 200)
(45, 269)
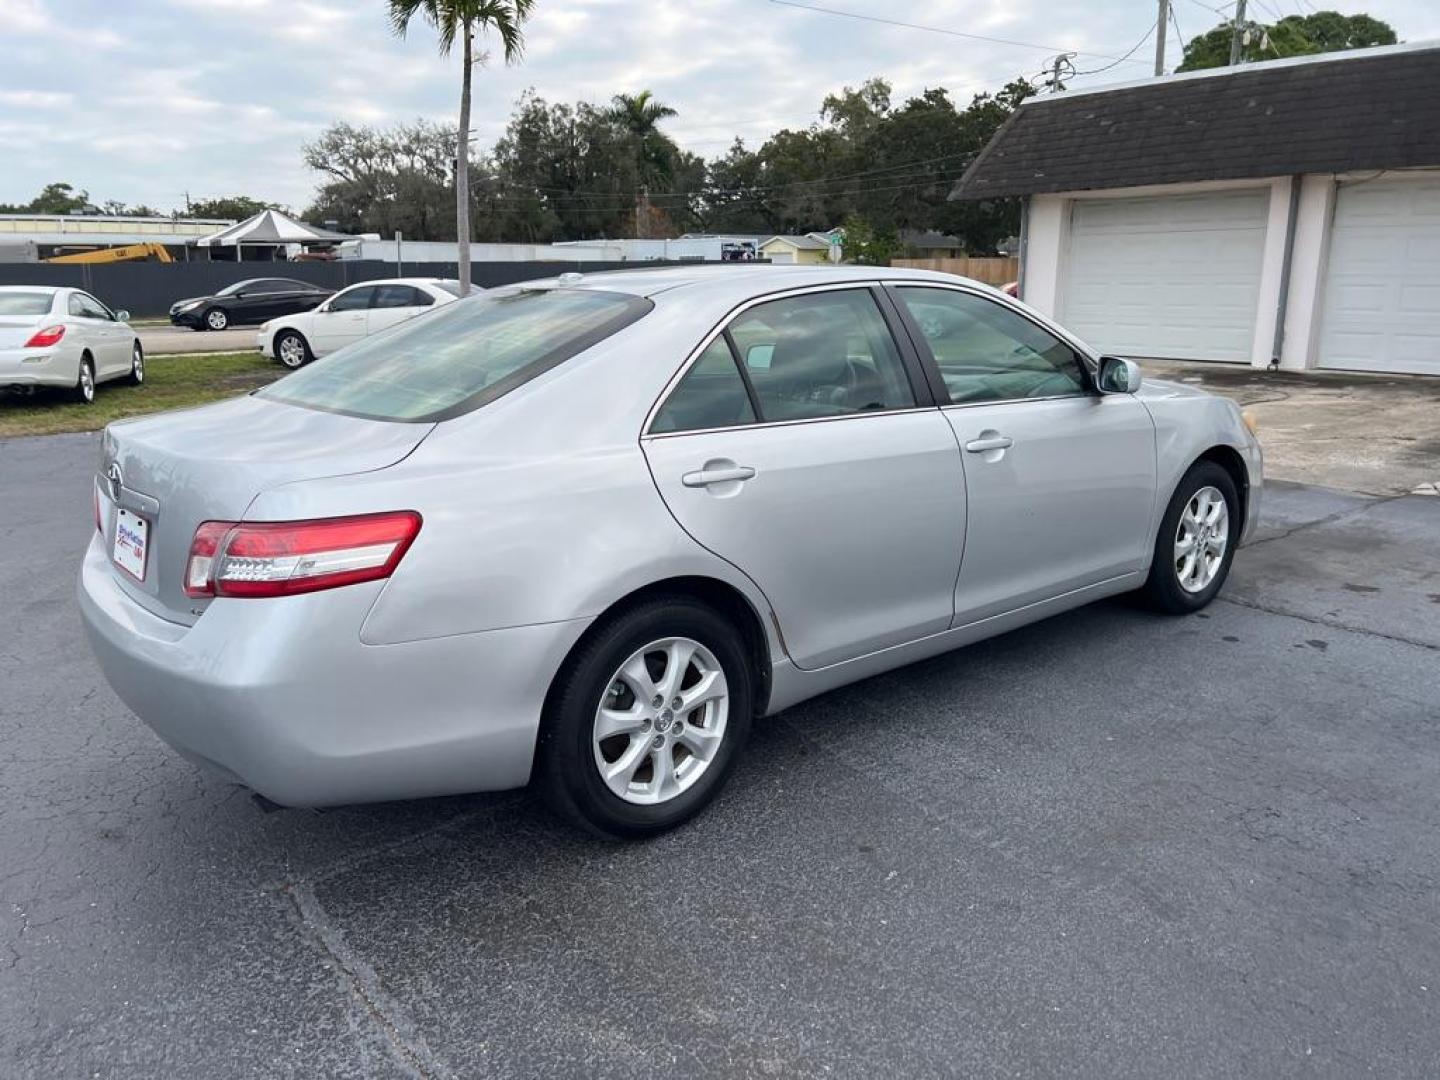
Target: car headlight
(1250, 422)
(190, 305)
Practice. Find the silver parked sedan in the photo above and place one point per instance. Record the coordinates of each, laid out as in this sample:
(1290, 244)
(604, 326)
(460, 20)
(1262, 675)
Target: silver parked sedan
(583, 531)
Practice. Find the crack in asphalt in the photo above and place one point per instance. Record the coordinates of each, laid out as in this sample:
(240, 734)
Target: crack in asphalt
(1328, 519)
(1332, 624)
(401, 1033)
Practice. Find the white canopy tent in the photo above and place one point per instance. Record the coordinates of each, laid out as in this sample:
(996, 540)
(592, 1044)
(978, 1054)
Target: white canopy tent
(269, 228)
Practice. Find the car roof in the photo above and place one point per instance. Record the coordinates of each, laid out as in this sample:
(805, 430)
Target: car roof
(734, 278)
(400, 281)
(32, 288)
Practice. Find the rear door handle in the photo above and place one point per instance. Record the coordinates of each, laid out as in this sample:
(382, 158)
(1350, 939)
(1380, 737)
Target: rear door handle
(706, 477)
(992, 442)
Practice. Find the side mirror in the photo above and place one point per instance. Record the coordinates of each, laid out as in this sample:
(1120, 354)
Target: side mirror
(122, 315)
(1118, 375)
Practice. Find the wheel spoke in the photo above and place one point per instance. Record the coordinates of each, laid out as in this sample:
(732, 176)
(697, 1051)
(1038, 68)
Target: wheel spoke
(1187, 567)
(623, 769)
(700, 742)
(637, 676)
(711, 687)
(677, 662)
(612, 722)
(664, 782)
(1184, 544)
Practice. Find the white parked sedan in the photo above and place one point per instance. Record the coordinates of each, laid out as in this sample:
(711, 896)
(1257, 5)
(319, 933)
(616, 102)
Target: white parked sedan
(350, 315)
(52, 336)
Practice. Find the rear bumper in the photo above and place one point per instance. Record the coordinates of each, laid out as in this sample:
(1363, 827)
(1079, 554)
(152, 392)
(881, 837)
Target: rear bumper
(36, 367)
(283, 696)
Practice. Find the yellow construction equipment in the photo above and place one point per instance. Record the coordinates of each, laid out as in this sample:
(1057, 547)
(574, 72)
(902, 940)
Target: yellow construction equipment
(128, 253)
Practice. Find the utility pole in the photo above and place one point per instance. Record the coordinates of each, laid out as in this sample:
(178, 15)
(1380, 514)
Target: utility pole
(1236, 31)
(1060, 69)
(1160, 21)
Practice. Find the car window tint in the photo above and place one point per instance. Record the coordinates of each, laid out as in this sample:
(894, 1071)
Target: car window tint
(712, 394)
(92, 308)
(821, 354)
(393, 296)
(354, 300)
(460, 356)
(986, 352)
(26, 303)
(75, 307)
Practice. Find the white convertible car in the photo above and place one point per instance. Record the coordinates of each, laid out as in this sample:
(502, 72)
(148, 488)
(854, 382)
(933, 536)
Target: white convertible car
(65, 338)
(351, 314)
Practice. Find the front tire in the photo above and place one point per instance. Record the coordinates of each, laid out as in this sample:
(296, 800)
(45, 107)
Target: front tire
(292, 350)
(85, 382)
(646, 720)
(137, 365)
(1196, 541)
(216, 319)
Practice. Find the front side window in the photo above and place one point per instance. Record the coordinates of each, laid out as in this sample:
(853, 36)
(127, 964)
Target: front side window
(354, 299)
(821, 354)
(461, 356)
(711, 395)
(89, 307)
(986, 352)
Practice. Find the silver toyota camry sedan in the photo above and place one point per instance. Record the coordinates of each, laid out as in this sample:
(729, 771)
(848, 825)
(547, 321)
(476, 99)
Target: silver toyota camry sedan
(582, 532)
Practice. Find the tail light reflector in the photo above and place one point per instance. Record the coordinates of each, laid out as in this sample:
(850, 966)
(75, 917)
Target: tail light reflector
(43, 339)
(282, 558)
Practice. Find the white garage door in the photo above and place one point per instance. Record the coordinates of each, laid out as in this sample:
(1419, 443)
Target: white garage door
(1382, 284)
(1175, 276)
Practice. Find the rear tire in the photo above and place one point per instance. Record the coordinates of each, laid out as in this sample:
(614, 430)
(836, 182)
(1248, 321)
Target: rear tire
(292, 350)
(137, 365)
(664, 762)
(215, 319)
(1196, 542)
(85, 382)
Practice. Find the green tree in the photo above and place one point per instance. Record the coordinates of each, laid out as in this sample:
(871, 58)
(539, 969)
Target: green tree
(233, 207)
(1294, 35)
(639, 116)
(464, 19)
(58, 198)
(386, 181)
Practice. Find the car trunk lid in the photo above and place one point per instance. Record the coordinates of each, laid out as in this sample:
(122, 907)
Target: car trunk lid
(209, 464)
(15, 330)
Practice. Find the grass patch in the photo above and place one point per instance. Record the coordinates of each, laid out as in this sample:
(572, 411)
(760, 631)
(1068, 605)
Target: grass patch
(171, 382)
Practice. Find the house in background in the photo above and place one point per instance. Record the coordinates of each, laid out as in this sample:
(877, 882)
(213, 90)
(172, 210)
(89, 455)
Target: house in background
(812, 248)
(929, 244)
(1286, 212)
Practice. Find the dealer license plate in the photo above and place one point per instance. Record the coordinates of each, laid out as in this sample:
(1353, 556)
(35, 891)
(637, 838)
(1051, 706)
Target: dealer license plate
(132, 543)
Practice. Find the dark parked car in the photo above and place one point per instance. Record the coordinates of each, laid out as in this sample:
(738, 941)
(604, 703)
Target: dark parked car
(254, 301)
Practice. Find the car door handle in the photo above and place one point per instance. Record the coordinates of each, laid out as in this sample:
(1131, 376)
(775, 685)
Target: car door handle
(706, 477)
(992, 442)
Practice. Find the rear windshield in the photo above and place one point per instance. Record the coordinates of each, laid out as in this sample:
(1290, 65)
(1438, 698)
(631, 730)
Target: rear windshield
(25, 303)
(460, 356)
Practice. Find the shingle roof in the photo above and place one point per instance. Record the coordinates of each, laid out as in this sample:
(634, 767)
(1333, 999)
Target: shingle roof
(804, 243)
(1372, 109)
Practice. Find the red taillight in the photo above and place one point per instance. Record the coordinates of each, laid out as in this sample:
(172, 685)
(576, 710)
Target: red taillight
(282, 558)
(43, 339)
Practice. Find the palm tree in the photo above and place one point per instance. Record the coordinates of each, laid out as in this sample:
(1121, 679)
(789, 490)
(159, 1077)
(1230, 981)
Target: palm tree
(464, 19)
(640, 115)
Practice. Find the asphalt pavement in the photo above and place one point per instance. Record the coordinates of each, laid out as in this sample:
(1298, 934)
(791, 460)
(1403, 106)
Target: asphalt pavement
(1111, 845)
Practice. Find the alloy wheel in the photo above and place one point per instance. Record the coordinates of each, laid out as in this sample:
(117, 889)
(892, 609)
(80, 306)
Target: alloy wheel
(87, 382)
(137, 365)
(292, 351)
(661, 721)
(1201, 539)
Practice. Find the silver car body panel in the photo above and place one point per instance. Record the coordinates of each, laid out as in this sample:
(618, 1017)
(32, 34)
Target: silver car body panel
(548, 506)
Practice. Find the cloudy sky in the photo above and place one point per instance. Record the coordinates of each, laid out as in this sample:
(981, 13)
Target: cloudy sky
(144, 100)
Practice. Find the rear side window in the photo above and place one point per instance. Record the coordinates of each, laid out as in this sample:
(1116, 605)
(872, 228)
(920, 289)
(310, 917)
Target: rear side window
(461, 356)
(25, 303)
(392, 296)
(711, 395)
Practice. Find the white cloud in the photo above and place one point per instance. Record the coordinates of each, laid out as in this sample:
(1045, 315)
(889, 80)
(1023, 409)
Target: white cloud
(218, 96)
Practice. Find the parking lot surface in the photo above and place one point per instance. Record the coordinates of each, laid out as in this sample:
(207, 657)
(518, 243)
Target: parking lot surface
(1112, 845)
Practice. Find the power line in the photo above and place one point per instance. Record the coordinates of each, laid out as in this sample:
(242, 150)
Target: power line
(943, 30)
(1122, 59)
